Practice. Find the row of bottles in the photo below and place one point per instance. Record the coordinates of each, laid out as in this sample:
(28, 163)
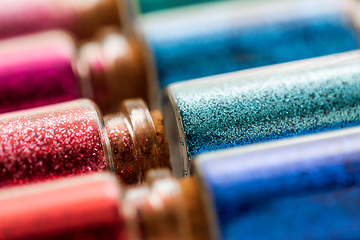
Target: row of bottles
(294, 189)
(285, 187)
(237, 109)
(156, 50)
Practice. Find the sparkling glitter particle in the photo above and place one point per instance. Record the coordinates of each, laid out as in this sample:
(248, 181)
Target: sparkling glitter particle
(50, 144)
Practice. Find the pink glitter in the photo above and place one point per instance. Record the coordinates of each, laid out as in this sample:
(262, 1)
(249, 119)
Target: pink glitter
(37, 70)
(51, 144)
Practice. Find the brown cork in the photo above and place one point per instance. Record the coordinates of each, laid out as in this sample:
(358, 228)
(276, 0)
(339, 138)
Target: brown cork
(193, 205)
(102, 13)
(164, 154)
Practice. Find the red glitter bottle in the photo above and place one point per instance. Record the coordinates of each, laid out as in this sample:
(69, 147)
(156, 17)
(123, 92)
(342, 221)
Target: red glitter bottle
(47, 68)
(95, 207)
(85, 207)
(71, 138)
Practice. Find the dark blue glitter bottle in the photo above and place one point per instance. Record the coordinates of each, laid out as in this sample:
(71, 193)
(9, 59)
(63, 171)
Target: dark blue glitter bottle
(260, 105)
(300, 188)
(227, 36)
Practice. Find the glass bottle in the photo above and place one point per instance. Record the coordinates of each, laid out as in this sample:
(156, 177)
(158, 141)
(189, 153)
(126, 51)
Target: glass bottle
(81, 17)
(47, 68)
(259, 105)
(71, 138)
(81, 207)
(94, 206)
(300, 188)
(225, 36)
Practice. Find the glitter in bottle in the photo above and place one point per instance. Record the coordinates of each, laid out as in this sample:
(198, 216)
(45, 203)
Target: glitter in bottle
(52, 142)
(263, 104)
(133, 141)
(81, 207)
(123, 148)
(146, 6)
(72, 138)
(37, 70)
(81, 17)
(300, 188)
(223, 37)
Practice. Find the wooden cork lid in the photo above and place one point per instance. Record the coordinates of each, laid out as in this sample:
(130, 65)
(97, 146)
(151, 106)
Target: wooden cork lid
(194, 207)
(164, 154)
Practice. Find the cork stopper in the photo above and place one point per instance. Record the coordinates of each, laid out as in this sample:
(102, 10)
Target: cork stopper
(154, 210)
(116, 69)
(164, 154)
(94, 14)
(194, 207)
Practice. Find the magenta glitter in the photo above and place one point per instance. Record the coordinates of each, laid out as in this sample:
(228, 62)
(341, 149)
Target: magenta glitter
(51, 142)
(37, 76)
(23, 16)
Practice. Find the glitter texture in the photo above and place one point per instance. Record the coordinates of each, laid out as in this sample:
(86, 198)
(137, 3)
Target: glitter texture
(225, 37)
(239, 109)
(83, 207)
(300, 188)
(38, 72)
(51, 142)
(126, 164)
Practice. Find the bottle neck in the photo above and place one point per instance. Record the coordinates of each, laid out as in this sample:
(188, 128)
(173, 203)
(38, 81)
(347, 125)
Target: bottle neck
(134, 141)
(164, 208)
(115, 67)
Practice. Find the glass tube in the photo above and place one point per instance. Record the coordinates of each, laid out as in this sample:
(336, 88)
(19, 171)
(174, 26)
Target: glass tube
(226, 36)
(81, 17)
(47, 68)
(259, 105)
(85, 207)
(94, 206)
(300, 188)
(71, 138)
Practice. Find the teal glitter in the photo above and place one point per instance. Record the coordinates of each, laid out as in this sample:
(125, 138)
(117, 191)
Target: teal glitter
(231, 111)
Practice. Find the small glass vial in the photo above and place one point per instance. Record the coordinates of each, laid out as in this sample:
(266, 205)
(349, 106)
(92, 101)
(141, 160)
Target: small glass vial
(260, 105)
(300, 188)
(81, 207)
(81, 17)
(226, 36)
(71, 138)
(94, 206)
(47, 68)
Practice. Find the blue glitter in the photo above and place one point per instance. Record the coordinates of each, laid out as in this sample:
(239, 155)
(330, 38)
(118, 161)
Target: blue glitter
(302, 188)
(202, 43)
(238, 109)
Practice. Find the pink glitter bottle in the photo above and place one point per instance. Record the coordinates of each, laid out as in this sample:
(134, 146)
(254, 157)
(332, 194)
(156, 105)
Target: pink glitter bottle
(71, 138)
(47, 68)
(82, 17)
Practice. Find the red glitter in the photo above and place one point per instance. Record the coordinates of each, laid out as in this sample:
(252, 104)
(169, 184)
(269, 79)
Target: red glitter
(51, 143)
(126, 164)
(86, 207)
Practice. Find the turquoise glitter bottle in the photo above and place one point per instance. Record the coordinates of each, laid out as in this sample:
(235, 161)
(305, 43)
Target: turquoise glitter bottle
(226, 36)
(260, 105)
